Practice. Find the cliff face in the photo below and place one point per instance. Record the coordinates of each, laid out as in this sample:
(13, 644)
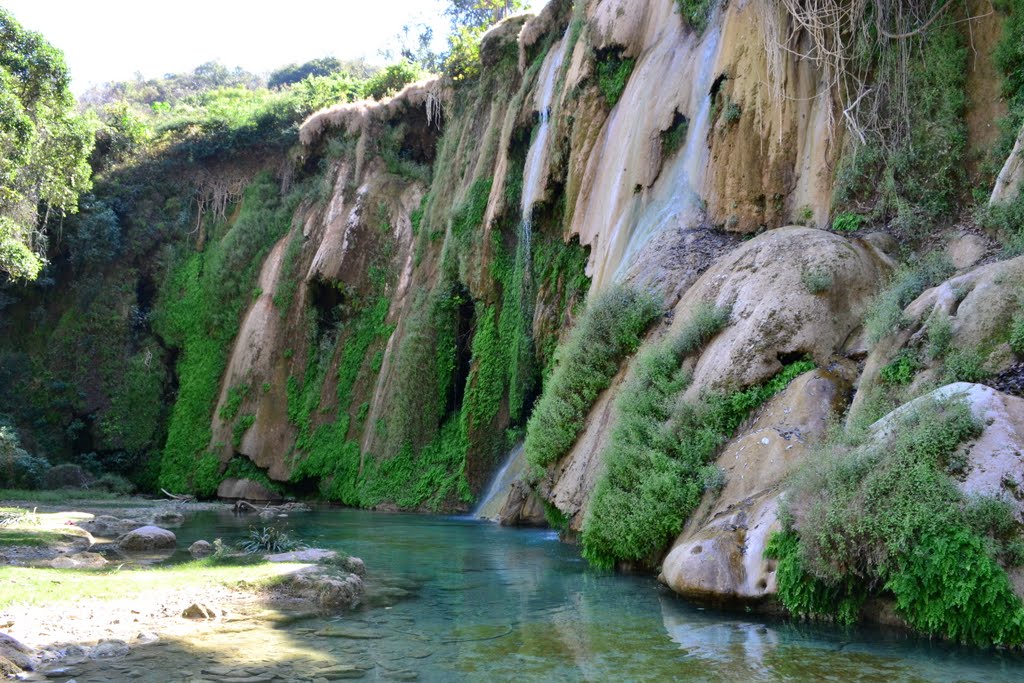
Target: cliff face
(410, 278)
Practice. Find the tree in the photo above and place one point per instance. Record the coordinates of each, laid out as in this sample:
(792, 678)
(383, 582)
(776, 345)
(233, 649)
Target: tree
(477, 14)
(44, 146)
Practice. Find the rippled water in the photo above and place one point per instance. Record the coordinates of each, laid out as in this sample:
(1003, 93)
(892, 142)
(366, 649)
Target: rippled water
(501, 604)
(494, 604)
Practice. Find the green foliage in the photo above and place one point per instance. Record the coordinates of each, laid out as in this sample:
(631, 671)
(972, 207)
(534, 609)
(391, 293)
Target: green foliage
(240, 428)
(697, 13)
(323, 66)
(270, 540)
(241, 467)
(44, 145)
(613, 72)
(236, 395)
(917, 176)
(18, 468)
(940, 334)
(731, 113)
(673, 139)
(609, 329)
(1017, 334)
(883, 513)
(391, 79)
(468, 217)
(906, 284)
(199, 312)
(847, 221)
(816, 280)
(658, 458)
(463, 60)
(805, 595)
(965, 365)
(902, 369)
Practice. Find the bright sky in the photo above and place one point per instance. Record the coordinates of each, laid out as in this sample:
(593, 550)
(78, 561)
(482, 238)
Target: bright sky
(109, 40)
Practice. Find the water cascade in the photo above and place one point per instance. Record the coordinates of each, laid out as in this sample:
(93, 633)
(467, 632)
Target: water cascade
(492, 501)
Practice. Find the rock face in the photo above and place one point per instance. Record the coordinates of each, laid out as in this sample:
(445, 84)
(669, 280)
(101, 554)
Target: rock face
(978, 305)
(246, 489)
(719, 553)
(330, 591)
(147, 538)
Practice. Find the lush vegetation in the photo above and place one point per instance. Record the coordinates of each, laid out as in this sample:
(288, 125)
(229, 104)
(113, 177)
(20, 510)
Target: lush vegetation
(613, 72)
(610, 329)
(910, 280)
(199, 313)
(658, 464)
(874, 513)
(696, 12)
(44, 147)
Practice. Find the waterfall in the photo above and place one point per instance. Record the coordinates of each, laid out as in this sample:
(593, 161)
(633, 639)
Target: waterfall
(492, 502)
(676, 197)
(534, 174)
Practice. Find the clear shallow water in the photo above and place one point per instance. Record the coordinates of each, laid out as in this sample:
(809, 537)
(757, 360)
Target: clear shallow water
(501, 604)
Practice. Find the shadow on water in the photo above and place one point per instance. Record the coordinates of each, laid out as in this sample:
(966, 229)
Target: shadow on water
(475, 601)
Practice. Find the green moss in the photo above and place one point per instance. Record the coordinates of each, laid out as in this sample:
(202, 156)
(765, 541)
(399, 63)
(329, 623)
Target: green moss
(198, 312)
(240, 428)
(610, 329)
(697, 13)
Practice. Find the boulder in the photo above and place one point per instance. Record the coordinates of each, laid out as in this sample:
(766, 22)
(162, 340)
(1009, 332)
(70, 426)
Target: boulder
(718, 555)
(330, 591)
(200, 549)
(246, 489)
(776, 315)
(83, 560)
(199, 611)
(106, 649)
(147, 538)
(15, 653)
(522, 507)
(979, 306)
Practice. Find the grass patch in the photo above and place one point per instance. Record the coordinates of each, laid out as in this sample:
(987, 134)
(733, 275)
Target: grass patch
(40, 586)
(609, 330)
(886, 312)
(867, 516)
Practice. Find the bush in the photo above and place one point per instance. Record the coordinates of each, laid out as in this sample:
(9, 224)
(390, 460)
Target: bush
(609, 329)
(271, 540)
(847, 221)
(65, 476)
(816, 280)
(1017, 335)
(391, 79)
(901, 370)
(612, 74)
(658, 462)
(874, 516)
(113, 483)
(886, 312)
(18, 468)
(965, 365)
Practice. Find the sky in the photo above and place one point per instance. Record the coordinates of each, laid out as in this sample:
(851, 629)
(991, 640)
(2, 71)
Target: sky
(106, 40)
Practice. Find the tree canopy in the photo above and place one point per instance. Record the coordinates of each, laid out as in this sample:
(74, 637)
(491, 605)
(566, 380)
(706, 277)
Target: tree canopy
(44, 146)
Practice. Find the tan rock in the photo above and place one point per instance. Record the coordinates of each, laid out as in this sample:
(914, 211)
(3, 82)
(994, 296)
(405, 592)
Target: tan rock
(147, 538)
(775, 317)
(246, 489)
(967, 249)
(719, 554)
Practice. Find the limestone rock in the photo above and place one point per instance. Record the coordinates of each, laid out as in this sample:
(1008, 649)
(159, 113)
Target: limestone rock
(979, 306)
(18, 654)
(200, 549)
(147, 538)
(308, 555)
(83, 560)
(1008, 182)
(198, 610)
(522, 507)
(719, 552)
(967, 249)
(246, 489)
(332, 592)
(106, 649)
(775, 316)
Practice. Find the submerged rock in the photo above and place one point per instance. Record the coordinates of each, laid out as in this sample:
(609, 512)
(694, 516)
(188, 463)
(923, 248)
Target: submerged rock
(147, 538)
(308, 555)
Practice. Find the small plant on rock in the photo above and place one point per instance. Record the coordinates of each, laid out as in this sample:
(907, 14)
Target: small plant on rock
(816, 280)
(270, 539)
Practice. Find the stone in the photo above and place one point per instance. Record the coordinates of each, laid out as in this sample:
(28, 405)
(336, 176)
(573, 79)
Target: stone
(147, 538)
(199, 611)
(168, 518)
(246, 489)
(83, 560)
(308, 555)
(109, 648)
(200, 549)
(18, 654)
(966, 250)
(718, 555)
(354, 565)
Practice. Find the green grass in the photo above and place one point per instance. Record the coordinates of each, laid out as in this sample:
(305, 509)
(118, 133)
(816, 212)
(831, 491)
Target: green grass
(30, 537)
(40, 586)
(609, 330)
(864, 517)
(885, 315)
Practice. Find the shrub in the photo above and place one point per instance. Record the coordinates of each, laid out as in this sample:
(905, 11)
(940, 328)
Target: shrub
(609, 329)
(612, 74)
(816, 280)
(65, 476)
(1017, 335)
(872, 516)
(965, 365)
(847, 221)
(886, 312)
(113, 483)
(696, 12)
(18, 468)
(940, 335)
(271, 540)
(901, 369)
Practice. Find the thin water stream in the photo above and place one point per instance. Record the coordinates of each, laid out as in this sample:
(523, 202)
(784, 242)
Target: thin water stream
(496, 604)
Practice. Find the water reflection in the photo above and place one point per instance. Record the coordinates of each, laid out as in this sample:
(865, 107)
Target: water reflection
(494, 604)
